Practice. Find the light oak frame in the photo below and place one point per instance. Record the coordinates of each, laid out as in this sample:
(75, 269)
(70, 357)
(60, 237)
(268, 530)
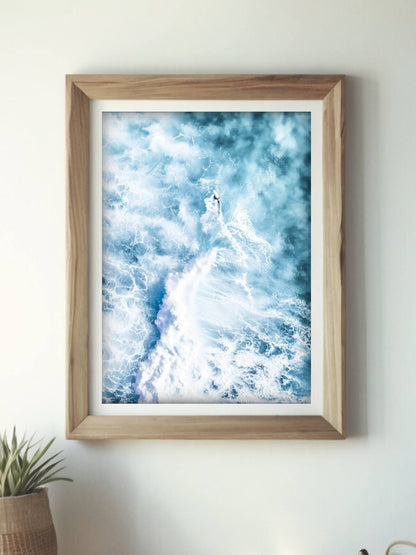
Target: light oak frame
(80, 89)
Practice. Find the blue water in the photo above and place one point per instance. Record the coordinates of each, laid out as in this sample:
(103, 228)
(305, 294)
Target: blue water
(206, 257)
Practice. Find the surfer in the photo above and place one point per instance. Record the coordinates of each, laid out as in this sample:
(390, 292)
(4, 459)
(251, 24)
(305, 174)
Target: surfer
(217, 197)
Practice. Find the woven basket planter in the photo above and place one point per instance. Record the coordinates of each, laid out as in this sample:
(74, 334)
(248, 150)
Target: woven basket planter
(26, 526)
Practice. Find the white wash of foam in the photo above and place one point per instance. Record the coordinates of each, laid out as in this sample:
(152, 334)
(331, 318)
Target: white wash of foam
(176, 362)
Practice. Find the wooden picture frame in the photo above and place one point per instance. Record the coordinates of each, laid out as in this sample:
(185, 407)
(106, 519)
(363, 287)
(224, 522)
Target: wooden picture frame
(80, 90)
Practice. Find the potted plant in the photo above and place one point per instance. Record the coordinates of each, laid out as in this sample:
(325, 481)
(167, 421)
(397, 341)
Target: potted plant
(26, 525)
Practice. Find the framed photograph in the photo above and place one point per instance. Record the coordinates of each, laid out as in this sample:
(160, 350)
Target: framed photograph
(205, 256)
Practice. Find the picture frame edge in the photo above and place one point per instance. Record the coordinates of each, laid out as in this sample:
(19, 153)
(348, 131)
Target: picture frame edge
(80, 89)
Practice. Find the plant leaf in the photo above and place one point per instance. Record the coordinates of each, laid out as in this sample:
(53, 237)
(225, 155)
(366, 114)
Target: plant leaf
(22, 468)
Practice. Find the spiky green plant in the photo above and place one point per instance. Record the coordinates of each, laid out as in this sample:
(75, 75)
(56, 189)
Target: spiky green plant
(23, 468)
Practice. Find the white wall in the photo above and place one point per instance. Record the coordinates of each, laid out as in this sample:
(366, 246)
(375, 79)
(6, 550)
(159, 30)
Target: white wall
(229, 497)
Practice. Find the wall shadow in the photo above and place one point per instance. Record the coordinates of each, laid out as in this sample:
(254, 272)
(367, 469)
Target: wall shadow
(362, 223)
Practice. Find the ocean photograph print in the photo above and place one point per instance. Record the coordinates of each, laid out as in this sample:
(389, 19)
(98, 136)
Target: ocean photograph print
(206, 257)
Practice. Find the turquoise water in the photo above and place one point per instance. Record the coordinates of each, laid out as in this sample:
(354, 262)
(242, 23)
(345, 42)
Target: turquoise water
(206, 257)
